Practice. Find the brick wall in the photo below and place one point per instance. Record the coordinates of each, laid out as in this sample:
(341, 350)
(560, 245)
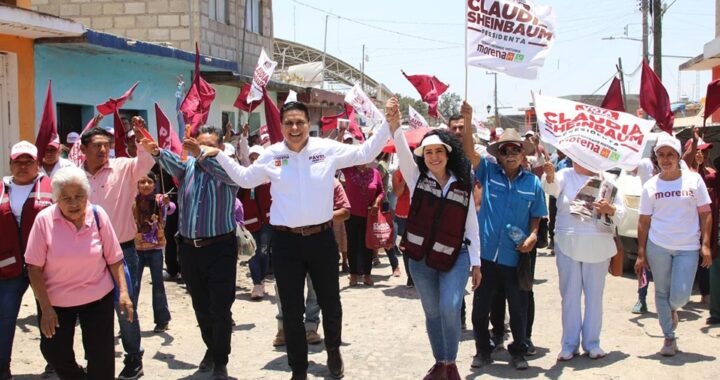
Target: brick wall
(178, 22)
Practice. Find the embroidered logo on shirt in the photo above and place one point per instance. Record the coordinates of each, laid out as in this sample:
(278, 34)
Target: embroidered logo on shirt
(281, 160)
(315, 158)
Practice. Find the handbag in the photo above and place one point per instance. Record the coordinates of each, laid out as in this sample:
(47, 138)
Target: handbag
(379, 230)
(246, 242)
(128, 278)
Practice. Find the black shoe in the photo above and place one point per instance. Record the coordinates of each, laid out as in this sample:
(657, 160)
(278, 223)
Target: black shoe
(207, 362)
(481, 360)
(335, 363)
(48, 372)
(712, 321)
(299, 376)
(497, 341)
(345, 268)
(220, 372)
(530, 348)
(161, 327)
(519, 362)
(133, 369)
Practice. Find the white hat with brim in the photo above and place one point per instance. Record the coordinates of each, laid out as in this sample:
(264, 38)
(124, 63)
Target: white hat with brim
(510, 136)
(666, 140)
(430, 140)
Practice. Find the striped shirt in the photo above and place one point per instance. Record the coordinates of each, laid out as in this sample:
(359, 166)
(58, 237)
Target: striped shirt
(206, 198)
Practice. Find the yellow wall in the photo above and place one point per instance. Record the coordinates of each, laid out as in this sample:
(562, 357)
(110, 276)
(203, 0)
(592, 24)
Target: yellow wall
(23, 47)
(24, 4)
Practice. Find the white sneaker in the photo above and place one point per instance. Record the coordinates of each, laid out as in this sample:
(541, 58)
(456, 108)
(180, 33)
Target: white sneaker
(564, 356)
(258, 292)
(597, 353)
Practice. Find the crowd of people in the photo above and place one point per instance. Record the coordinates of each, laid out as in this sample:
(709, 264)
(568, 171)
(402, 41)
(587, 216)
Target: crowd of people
(463, 211)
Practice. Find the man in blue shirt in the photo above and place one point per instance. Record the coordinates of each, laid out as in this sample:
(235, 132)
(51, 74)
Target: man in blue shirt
(512, 196)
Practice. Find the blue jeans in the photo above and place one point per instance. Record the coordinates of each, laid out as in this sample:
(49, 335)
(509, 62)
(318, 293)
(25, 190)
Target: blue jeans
(312, 308)
(11, 294)
(154, 260)
(260, 262)
(130, 331)
(441, 294)
(674, 274)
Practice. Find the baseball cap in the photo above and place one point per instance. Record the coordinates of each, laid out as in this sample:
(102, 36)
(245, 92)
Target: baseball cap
(256, 149)
(529, 133)
(55, 142)
(23, 147)
(665, 139)
(348, 136)
(72, 137)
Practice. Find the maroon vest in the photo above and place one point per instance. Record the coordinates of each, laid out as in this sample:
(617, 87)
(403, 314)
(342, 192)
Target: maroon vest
(14, 237)
(436, 223)
(256, 206)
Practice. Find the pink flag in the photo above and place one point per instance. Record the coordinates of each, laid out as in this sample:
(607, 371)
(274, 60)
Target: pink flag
(712, 99)
(241, 101)
(614, 99)
(48, 125)
(272, 117)
(196, 106)
(113, 105)
(330, 122)
(119, 130)
(75, 155)
(654, 99)
(430, 89)
(167, 138)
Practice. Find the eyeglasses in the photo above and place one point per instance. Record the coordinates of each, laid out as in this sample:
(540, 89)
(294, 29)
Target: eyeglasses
(510, 151)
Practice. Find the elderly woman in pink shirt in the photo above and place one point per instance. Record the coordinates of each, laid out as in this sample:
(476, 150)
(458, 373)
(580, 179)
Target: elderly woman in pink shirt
(72, 257)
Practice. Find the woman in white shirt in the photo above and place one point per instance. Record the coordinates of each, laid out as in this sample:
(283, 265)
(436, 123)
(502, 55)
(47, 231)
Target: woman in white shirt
(674, 216)
(439, 180)
(583, 249)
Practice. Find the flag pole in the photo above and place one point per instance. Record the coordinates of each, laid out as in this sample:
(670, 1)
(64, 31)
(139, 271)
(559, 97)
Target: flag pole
(162, 180)
(465, 58)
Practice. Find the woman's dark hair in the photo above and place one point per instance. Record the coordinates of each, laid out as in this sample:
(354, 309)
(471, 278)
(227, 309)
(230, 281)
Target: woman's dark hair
(152, 176)
(457, 163)
(294, 106)
(92, 132)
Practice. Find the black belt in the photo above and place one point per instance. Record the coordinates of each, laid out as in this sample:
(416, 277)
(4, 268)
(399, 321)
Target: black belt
(306, 230)
(127, 244)
(204, 242)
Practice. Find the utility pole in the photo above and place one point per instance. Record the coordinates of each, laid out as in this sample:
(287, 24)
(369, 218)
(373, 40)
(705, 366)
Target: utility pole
(622, 82)
(657, 37)
(362, 68)
(644, 10)
(325, 48)
(497, 112)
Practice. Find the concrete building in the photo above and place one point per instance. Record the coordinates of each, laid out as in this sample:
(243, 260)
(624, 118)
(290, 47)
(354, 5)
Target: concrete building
(233, 30)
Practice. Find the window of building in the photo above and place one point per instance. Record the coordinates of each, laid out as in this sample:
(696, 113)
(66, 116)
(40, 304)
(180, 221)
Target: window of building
(218, 11)
(70, 119)
(253, 16)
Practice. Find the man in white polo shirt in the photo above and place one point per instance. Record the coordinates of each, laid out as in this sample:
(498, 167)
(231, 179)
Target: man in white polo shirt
(301, 170)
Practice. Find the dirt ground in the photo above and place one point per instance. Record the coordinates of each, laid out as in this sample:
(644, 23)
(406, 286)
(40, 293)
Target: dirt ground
(384, 336)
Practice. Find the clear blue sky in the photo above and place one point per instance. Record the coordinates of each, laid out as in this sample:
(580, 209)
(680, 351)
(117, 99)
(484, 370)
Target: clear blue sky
(579, 63)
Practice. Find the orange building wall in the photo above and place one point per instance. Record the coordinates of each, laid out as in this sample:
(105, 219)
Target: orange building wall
(23, 47)
(24, 4)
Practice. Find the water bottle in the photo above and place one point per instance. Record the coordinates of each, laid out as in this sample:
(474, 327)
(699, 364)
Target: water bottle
(516, 234)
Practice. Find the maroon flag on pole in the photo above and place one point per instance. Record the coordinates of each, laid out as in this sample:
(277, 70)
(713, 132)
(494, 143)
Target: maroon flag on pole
(196, 106)
(272, 118)
(113, 105)
(614, 99)
(167, 138)
(119, 130)
(241, 101)
(330, 122)
(48, 125)
(712, 99)
(654, 99)
(75, 155)
(430, 89)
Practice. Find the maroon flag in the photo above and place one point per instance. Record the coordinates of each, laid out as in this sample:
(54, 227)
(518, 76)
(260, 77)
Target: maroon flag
(330, 122)
(272, 118)
(48, 125)
(430, 89)
(712, 100)
(241, 101)
(614, 99)
(75, 155)
(113, 105)
(654, 99)
(196, 106)
(119, 130)
(167, 138)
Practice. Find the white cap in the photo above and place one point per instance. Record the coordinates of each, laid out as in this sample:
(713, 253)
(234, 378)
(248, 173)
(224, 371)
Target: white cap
(529, 133)
(72, 137)
(665, 139)
(256, 149)
(55, 142)
(348, 136)
(430, 140)
(229, 149)
(23, 147)
(109, 129)
(130, 134)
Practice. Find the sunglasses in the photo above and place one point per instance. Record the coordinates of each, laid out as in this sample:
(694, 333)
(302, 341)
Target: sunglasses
(510, 151)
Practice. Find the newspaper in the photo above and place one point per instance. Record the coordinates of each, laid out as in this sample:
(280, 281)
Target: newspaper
(593, 190)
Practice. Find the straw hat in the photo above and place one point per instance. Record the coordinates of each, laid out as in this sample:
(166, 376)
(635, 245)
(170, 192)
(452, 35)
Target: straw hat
(510, 136)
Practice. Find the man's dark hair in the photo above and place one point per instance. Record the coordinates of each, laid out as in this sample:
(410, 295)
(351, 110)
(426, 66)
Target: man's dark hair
(291, 106)
(92, 132)
(213, 130)
(454, 117)
(152, 176)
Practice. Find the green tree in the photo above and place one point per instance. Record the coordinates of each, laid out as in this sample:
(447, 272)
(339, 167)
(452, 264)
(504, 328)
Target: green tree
(405, 101)
(449, 104)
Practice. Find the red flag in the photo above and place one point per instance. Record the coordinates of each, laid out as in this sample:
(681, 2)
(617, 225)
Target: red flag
(75, 155)
(241, 101)
(614, 99)
(654, 99)
(430, 89)
(272, 117)
(712, 99)
(113, 105)
(48, 125)
(330, 122)
(120, 146)
(196, 106)
(167, 138)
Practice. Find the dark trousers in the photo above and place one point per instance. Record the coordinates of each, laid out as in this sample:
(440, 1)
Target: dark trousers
(359, 256)
(553, 216)
(209, 273)
(494, 276)
(172, 261)
(531, 298)
(497, 308)
(702, 277)
(294, 256)
(97, 324)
